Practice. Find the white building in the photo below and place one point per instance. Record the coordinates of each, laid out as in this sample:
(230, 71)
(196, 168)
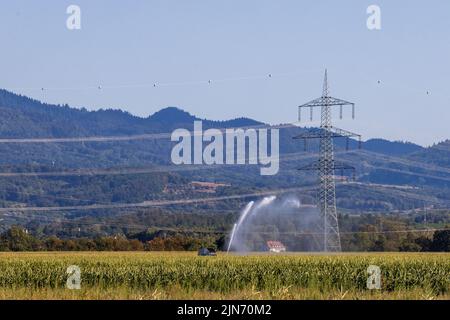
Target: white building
(276, 246)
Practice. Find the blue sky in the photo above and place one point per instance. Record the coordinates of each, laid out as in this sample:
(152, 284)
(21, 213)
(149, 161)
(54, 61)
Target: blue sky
(167, 41)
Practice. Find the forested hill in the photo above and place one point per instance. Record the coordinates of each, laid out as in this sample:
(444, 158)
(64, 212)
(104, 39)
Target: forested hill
(437, 154)
(418, 175)
(23, 117)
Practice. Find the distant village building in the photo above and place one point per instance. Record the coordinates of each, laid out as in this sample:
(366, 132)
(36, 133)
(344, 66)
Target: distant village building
(276, 246)
(207, 187)
(194, 186)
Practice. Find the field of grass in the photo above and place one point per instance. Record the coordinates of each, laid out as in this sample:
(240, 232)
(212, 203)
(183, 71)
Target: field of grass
(145, 275)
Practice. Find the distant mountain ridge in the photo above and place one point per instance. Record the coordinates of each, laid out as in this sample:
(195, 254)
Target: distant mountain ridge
(26, 117)
(437, 154)
(390, 174)
(397, 148)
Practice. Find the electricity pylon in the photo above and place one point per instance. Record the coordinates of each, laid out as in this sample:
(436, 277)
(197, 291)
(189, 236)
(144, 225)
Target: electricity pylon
(326, 164)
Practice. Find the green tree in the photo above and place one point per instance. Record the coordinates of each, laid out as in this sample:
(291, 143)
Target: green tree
(441, 241)
(424, 243)
(18, 239)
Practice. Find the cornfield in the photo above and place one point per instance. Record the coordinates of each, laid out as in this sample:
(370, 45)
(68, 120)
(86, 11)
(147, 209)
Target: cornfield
(225, 273)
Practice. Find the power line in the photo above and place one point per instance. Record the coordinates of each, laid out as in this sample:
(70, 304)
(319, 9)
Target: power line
(151, 203)
(154, 203)
(405, 161)
(154, 169)
(159, 169)
(145, 136)
(156, 84)
(187, 230)
(106, 172)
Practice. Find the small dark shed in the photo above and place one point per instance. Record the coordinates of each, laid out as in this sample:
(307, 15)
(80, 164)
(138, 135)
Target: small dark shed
(206, 252)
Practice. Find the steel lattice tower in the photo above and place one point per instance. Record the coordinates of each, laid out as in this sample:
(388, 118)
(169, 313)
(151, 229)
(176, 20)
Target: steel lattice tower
(326, 164)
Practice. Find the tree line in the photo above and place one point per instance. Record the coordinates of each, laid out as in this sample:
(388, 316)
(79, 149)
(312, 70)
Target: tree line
(18, 239)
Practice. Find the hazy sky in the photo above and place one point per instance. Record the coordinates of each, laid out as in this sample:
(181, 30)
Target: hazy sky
(123, 43)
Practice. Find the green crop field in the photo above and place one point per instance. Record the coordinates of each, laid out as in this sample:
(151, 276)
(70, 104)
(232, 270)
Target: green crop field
(144, 275)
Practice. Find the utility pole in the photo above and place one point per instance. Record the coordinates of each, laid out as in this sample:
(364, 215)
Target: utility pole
(326, 165)
(425, 216)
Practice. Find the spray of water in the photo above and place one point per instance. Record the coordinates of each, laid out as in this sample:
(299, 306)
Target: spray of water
(281, 219)
(231, 237)
(264, 202)
(249, 209)
(244, 214)
(241, 219)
